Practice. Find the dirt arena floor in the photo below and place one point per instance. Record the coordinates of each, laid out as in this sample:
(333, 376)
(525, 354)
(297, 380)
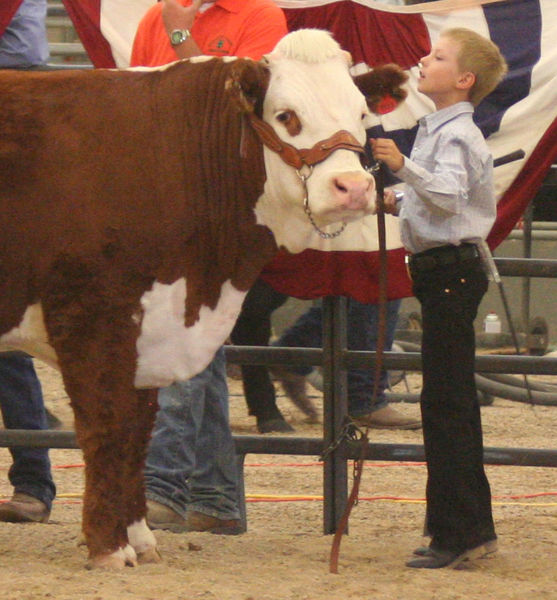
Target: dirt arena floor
(284, 555)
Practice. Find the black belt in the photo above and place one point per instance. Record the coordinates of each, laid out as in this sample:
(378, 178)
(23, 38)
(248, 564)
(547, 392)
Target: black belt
(442, 256)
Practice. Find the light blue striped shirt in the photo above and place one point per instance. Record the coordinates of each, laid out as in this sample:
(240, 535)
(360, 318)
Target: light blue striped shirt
(449, 196)
(24, 42)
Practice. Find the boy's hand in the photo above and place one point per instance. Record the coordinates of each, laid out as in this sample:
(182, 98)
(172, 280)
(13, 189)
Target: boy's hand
(387, 151)
(389, 202)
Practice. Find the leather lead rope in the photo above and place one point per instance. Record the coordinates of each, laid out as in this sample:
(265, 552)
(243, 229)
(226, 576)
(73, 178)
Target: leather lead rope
(381, 334)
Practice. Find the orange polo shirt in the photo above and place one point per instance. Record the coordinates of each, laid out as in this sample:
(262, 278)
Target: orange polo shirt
(247, 28)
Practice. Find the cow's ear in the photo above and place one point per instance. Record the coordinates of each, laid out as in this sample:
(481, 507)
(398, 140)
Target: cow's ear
(382, 87)
(248, 82)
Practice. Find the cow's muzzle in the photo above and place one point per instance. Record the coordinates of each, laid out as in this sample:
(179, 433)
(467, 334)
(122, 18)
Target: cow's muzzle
(304, 159)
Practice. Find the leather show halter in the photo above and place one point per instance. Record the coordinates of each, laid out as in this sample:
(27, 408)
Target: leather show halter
(306, 158)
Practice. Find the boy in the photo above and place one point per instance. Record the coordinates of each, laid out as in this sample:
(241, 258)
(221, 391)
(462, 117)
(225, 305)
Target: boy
(448, 203)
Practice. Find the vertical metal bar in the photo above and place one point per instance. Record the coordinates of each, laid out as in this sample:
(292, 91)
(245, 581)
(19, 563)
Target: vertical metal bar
(526, 282)
(335, 479)
(241, 490)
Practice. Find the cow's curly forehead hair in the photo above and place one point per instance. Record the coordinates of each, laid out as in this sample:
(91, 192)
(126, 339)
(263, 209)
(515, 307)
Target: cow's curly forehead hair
(309, 45)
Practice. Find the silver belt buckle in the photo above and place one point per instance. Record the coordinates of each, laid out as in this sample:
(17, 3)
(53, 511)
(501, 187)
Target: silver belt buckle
(407, 263)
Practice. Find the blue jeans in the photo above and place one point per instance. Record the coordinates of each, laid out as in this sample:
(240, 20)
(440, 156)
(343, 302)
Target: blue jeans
(362, 335)
(191, 461)
(21, 402)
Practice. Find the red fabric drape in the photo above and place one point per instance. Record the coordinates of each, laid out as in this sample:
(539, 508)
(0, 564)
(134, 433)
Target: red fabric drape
(314, 274)
(86, 19)
(373, 37)
(7, 12)
(523, 189)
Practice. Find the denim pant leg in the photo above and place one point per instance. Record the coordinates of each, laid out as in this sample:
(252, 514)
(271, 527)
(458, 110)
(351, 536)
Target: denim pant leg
(362, 335)
(307, 332)
(214, 482)
(191, 459)
(22, 405)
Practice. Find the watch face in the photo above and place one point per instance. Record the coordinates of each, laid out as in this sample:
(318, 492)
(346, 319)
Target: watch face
(177, 37)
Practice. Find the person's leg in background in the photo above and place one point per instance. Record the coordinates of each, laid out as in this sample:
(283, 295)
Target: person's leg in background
(363, 328)
(253, 328)
(21, 402)
(362, 323)
(191, 477)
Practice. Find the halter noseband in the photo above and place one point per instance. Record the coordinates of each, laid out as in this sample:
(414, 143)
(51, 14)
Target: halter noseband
(306, 157)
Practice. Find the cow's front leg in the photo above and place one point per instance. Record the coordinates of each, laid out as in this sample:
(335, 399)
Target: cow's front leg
(113, 432)
(104, 522)
(97, 356)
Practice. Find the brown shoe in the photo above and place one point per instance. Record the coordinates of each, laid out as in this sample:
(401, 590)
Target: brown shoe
(386, 418)
(160, 516)
(294, 387)
(23, 508)
(197, 521)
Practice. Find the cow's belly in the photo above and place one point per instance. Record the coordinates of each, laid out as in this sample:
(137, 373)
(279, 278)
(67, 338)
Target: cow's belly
(169, 351)
(30, 336)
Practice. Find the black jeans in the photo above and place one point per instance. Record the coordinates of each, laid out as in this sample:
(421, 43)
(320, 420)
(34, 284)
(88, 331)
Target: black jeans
(458, 495)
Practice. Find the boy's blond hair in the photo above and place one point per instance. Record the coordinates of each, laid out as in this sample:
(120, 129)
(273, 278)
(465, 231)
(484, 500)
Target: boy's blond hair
(480, 56)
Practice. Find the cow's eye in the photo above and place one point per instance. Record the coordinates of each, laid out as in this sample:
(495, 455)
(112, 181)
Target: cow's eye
(290, 120)
(284, 117)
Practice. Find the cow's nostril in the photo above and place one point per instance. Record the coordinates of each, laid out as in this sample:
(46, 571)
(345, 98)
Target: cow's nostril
(340, 187)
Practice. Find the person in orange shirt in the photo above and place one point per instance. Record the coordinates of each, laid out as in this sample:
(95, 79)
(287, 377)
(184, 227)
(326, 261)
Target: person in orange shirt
(190, 472)
(175, 29)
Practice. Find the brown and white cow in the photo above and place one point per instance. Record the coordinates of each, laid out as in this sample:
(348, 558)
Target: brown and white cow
(137, 208)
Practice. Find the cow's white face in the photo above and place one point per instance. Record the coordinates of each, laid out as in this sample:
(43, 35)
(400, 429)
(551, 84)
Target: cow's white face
(311, 96)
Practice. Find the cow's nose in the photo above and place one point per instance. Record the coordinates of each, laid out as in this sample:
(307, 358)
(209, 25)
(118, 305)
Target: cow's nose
(353, 190)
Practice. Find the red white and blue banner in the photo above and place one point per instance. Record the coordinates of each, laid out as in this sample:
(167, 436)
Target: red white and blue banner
(520, 114)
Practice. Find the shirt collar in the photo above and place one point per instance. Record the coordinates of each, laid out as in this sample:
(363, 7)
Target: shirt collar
(436, 119)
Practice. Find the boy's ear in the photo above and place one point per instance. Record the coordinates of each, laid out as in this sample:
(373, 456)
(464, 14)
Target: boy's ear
(466, 80)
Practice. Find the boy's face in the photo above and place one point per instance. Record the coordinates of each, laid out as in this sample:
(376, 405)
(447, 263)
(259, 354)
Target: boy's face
(440, 73)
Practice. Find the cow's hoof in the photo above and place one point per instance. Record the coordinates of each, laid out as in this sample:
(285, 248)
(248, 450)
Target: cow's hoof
(115, 561)
(151, 555)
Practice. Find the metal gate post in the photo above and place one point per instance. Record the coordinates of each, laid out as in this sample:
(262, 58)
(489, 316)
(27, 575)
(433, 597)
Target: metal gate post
(335, 480)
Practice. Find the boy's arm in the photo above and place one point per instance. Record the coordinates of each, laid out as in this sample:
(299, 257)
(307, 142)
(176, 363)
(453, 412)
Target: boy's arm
(441, 185)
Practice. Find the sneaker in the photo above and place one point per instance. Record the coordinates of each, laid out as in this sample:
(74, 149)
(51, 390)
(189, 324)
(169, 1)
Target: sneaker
(160, 516)
(386, 418)
(197, 521)
(23, 508)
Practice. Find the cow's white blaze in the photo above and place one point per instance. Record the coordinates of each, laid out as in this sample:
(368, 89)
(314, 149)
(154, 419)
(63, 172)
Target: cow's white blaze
(169, 351)
(312, 79)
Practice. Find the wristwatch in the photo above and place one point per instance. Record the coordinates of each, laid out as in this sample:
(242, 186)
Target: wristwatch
(179, 36)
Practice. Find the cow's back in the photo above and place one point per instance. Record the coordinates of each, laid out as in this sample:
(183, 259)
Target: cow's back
(122, 171)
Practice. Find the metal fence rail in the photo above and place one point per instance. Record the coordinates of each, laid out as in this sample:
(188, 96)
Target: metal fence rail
(335, 359)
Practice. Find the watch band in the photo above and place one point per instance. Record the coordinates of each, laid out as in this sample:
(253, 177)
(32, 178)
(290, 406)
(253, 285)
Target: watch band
(179, 36)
